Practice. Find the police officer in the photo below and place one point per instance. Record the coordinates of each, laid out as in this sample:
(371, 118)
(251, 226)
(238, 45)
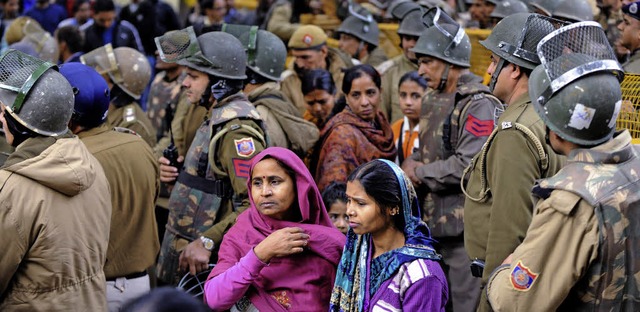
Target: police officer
(609, 17)
(411, 27)
(127, 74)
(498, 206)
(55, 196)
(360, 38)
(629, 28)
(164, 94)
(309, 48)
(132, 172)
(506, 8)
(580, 252)
(456, 119)
(266, 56)
(210, 190)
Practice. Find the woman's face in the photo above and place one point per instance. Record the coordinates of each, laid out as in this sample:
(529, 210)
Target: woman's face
(319, 103)
(338, 215)
(364, 98)
(363, 211)
(411, 99)
(272, 189)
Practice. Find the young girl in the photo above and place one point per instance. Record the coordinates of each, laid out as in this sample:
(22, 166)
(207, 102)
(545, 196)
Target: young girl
(335, 199)
(405, 131)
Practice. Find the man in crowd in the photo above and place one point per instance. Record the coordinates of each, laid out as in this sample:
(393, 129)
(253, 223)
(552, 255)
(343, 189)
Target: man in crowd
(498, 206)
(211, 188)
(55, 206)
(579, 252)
(630, 36)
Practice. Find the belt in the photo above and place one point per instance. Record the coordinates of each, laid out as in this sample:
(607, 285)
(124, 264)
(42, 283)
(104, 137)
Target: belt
(222, 188)
(129, 276)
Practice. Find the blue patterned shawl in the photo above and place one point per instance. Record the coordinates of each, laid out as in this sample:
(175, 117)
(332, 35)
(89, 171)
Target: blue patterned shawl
(358, 277)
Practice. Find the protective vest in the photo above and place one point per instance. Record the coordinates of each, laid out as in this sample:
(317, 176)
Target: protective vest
(202, 187)
(609, 182)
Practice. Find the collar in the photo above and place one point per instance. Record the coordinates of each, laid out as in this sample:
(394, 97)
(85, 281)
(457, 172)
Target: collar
(615, 151)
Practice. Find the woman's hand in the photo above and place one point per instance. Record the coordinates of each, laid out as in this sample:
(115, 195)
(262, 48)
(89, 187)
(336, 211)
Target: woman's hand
(168, 173)
(282, 243)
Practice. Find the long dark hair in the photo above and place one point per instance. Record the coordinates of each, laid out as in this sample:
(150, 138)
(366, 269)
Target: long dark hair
(380, 183)
(318, 79)
(358, 71)
(415, 77)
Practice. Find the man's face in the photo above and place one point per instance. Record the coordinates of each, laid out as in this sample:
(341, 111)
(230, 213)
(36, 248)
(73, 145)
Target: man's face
(310, 59)
(502, 87)
(11, 9)
(217, 13)
(629, 32)
(431, 69)
(195, 83)
(408, 42)
(480, 11)
(349, 44)
(83, 13)
(105, 19)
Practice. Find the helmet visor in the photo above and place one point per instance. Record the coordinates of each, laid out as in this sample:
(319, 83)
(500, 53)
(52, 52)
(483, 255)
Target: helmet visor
(18, 73)
(447, 26)
(177, 45)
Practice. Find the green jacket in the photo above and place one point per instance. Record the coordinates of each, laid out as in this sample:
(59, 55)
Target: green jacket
(496, 225)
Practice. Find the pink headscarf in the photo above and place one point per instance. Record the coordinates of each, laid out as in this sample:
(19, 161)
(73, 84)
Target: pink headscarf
(299, 282)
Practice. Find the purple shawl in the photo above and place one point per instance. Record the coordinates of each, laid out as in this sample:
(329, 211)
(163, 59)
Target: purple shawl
(300, 282)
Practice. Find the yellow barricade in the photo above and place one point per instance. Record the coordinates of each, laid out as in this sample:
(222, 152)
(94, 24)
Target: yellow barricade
(629, 117)
(246, 4)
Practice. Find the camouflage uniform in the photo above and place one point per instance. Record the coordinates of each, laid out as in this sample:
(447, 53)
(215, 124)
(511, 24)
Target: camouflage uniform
(580, 253)
(496, 223)
(163, 101)
(201, 203)
(134, 118)
(391, 72)
(453, 128)
(291, 84)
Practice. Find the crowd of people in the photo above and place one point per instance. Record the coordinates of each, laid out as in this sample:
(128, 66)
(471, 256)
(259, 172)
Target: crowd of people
(139, 150)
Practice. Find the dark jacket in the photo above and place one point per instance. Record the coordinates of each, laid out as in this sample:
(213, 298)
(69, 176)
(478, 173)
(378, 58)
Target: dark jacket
(124, 35)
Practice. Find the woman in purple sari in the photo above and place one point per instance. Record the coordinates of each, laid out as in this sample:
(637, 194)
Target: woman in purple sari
(282, 253)
(388, 263)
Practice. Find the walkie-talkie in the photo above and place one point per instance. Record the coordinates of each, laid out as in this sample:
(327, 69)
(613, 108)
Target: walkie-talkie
(171, 153)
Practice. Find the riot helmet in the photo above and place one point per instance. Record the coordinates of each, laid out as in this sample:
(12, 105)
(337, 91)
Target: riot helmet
(36, 98)
(445, 39)
(508, 7)
(411, 23)
(126, 67)
(361, 26)
(91, 94)
(514, 40)
(544, 7)
(573, 11)
(266, 53)
(576, 89)
(215, 53)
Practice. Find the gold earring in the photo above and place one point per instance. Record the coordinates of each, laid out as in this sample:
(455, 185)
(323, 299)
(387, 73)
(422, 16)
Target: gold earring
(394, 211)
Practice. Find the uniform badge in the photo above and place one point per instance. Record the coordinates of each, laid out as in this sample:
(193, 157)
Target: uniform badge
(522, 278)
(478, 127)
(129, 114)
(506, 125)
(307, 39)
(245, 147)
(633, 9)
(241, 167)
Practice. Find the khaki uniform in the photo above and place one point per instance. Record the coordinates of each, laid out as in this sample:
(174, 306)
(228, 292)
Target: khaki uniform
(496, 224)
(283, 122)
(632, 65)
(54, 219)
(212, 188)
(163, 101)
(132, 171)
(391, 72)
(453, 128)
(133, 118)
(291, 85)
(375, 58)
(278, 20)
(580, 252)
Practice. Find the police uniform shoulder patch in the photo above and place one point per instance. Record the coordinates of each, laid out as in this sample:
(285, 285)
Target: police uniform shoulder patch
(384, 66)
(478, 127)
(129, 114)
(241, 167)
(522, 278)
(245, 147)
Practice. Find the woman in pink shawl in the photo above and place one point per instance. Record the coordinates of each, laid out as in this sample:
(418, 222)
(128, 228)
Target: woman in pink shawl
(282, 253)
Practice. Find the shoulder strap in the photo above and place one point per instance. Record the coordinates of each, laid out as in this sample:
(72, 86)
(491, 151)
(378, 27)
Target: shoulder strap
(484, 190)
(219, 134)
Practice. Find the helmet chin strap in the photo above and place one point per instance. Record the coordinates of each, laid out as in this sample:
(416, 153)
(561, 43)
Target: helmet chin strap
(357, 54)
(496, 73)
(444, 78)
